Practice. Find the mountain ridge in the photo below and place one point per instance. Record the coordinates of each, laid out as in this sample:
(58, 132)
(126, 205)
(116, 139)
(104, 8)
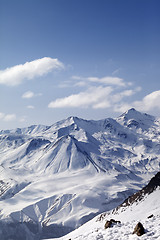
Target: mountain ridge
(90, 166)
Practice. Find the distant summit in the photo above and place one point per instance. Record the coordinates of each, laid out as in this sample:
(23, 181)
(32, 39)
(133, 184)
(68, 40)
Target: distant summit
(134, 114)
(136, 119)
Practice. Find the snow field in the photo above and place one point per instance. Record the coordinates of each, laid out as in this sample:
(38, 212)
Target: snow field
(67, 173)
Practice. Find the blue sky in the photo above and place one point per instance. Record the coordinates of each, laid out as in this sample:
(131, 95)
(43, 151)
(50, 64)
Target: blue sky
(87, 58)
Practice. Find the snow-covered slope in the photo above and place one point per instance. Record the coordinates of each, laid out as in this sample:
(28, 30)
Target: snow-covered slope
(144, 207)
(55, 178)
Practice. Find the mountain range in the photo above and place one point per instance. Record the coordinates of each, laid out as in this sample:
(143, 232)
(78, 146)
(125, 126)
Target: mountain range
(53, 179)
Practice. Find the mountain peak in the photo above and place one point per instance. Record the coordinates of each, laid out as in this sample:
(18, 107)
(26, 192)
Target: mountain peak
(132, 110)
(134, 118)
(133, 113)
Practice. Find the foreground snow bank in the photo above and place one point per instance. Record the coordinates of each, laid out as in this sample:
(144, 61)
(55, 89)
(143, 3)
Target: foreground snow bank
(121, 231)
(129, 217)
(124, 231)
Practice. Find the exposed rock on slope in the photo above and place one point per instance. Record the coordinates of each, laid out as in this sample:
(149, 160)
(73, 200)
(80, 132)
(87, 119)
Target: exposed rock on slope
(141, 217)
(138, 196)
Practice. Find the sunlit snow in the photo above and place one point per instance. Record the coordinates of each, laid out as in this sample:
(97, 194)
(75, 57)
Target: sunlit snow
(56, 178)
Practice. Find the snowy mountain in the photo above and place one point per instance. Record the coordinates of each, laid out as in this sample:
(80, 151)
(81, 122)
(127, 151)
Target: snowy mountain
(55, 178)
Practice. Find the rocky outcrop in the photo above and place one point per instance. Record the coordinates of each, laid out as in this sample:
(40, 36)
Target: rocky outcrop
(110, 223)
(151, 186)
(139, 229)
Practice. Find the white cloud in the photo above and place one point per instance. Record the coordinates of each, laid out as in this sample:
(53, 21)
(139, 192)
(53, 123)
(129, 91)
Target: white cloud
(9, 117)
(122, 107)
(68, 84)
(23, 119)
(2, 115)
(83, 99)
(80, 84)
(120, 95)
(77, 77)
(96, 97)
(65, 84)
(28, 94)
(149, 102)
(38, 94)
(116, 71)
(113, 99)
(103, 104)
(30, 107)
(16, 75)
(107, 80)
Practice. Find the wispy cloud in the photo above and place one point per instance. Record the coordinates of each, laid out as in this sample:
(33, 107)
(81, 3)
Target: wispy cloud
(17, 74)
(122, 107)
(80, 84)
(11, 117)
(2, 115)
(30, 94)
(116, 71)
(149, 103)
(23, 119)
(7, 117)
(107, 80)
(30, 107)
(79, 81)
(65, 84)
(97, 97)
(114, 98)
(82, 99)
